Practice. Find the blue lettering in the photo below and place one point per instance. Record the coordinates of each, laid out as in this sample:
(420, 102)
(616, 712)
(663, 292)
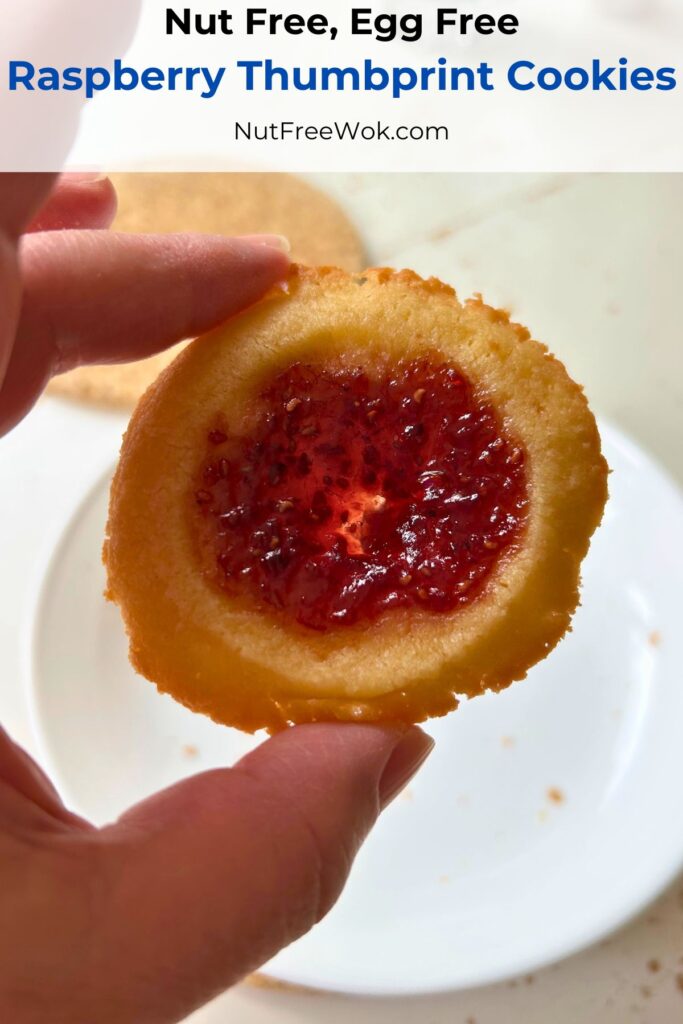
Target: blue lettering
(250, 67)
(518, 66)
(21, 72)
(212, 82)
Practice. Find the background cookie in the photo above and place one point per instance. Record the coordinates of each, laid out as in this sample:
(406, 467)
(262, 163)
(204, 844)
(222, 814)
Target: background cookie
(218, 203)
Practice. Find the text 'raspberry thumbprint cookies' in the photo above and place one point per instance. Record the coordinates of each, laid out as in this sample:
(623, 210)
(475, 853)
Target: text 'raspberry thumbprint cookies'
(354, 501)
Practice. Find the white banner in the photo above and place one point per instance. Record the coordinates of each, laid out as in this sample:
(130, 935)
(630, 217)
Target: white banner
(503, 85)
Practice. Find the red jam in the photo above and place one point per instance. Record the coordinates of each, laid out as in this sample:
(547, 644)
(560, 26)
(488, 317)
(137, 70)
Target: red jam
(355, 494)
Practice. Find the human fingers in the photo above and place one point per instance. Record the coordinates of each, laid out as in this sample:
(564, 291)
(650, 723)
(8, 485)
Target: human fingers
(101, 297)
(216, 874)
(77, 201)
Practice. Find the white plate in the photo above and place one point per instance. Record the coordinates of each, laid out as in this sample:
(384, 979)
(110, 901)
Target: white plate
(476, 873)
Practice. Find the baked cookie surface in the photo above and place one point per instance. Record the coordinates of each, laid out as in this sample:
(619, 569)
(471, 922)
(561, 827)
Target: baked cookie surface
(354, 501)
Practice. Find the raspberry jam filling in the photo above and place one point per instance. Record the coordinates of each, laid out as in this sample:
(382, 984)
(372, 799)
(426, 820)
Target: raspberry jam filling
(355, 494)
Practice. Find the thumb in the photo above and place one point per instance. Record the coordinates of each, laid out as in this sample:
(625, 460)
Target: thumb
(208, 879)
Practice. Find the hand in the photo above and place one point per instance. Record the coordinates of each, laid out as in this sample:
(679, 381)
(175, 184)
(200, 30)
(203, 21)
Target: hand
(147, 918)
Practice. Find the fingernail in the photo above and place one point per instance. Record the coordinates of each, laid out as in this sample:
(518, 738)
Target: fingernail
(406, 758)
(271, 241)
(84, 177)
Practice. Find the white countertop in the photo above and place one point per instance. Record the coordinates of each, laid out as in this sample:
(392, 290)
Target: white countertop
(592, 264)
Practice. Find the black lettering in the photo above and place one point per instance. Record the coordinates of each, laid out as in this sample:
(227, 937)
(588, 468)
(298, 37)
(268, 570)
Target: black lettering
(174, 20)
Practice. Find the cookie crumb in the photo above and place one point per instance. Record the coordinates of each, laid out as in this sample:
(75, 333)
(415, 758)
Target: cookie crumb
(407, 795)
(189, 750)
(508, 742)
(555, 795)
(441, 234)
(654, 966)
(655, 638)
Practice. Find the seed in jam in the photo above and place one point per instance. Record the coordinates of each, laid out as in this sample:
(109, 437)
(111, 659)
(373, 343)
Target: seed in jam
(356, 493)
